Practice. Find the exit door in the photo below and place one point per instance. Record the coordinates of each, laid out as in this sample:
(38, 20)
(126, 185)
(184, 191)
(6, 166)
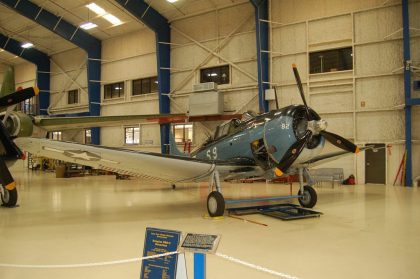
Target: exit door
(375, 164)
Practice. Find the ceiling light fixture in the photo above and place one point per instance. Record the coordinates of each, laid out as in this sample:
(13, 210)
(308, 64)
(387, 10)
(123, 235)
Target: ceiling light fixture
(96, 9)
(112, 19)
(171, 1)
(27, 45)
(88, 25)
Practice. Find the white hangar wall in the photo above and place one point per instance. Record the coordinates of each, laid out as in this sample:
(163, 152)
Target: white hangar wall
(229, 33)
(365, 104)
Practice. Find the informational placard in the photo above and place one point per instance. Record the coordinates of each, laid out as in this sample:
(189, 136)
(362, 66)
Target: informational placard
(200, 243)
(159, 241)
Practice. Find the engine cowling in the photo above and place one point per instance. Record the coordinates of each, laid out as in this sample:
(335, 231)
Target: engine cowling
(19, 124)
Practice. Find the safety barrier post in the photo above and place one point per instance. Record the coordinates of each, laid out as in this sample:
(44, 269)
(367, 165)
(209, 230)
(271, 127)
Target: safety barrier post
(199, 266)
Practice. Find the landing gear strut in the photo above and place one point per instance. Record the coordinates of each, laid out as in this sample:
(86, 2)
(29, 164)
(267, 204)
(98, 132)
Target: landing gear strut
(215, 200)
(308, 194)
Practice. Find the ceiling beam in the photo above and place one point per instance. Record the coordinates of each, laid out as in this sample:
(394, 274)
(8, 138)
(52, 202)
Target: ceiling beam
(42, 62)
(160, 25)
(75, 35)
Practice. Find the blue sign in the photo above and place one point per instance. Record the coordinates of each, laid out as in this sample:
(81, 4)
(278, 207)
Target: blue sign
(158, 241)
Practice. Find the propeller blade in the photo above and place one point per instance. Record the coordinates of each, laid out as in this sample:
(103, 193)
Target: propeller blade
(340, 142)
(276, 98)
(18, 96)
(302, 94)
(292, 154)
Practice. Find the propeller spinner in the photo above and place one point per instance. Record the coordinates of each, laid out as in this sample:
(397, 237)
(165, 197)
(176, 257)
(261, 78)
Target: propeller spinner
(314, 127)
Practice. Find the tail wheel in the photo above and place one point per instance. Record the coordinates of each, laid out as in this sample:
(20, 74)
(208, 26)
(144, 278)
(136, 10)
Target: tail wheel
(9, 197)
(309, 197)
(215, 204)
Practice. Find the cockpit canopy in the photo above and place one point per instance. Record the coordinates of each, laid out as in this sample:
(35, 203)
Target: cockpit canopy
(233, 125)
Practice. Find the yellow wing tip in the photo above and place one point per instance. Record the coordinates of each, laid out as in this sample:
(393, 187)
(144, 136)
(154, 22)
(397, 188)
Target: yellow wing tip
(278, 172)
(11, 186)
(36, 90)
(357, 150)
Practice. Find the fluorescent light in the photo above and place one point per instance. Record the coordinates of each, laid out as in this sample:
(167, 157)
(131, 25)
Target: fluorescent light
(96, 9)
(113, 19)
(213, 74)
(171, 1)
(1, 50)
(27, 45)
(88, 25)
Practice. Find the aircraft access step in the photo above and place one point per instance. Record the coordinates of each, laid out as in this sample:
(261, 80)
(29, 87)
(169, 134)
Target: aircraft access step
(283, 211)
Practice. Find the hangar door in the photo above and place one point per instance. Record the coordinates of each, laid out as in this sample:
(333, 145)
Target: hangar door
(375, 164)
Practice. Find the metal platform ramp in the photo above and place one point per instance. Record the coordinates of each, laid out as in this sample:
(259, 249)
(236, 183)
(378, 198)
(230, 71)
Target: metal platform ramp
(280, 211)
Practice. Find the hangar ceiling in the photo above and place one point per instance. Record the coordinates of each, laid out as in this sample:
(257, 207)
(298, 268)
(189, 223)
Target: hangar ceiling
(22, 29)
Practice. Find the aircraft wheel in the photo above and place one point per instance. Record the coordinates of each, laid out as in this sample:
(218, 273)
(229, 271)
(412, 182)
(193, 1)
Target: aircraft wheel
(309, 198)
(215, 204)
(173, 186)
(9, 197)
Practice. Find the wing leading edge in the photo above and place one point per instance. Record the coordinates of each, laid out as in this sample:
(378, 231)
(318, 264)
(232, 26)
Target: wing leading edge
(167, 168)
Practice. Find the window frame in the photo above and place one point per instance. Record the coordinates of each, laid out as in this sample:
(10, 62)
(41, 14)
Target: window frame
(151, 80)
(57, 135)
(340, 63)
(133, 135)
(184, 134)
(75, 97)
(113, 91)
(86, 136)
(219, 67)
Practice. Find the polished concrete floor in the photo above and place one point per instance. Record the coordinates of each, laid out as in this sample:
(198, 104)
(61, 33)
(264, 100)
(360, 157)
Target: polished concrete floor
(368, 231)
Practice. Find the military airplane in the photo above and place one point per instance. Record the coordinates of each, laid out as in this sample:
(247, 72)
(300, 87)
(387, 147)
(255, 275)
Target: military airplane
(281, 142)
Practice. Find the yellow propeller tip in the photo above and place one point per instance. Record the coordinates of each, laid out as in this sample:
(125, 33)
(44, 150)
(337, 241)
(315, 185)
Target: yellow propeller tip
(278, 172)
(294, 65)
(36, 90)
(357, 150)
(11, 186)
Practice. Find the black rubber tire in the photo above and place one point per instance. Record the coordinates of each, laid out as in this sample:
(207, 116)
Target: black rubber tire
(215, 204)
(310, 198)
(9, 198)
(173, 186)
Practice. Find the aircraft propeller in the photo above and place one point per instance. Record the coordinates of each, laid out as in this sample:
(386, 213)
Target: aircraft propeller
(18, 96)
(9, 150)
(315, 127)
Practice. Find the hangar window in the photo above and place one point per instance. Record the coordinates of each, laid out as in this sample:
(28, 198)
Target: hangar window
(73, 97)
(56, 136)
(183, 133)
(340, 59)
(114, 90)
(88, 136)
(145, 86)
(132, 135)
(219, 75)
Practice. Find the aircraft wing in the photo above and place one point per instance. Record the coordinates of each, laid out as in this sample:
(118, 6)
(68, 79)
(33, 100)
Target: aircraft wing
(69, 123)
(167, 168)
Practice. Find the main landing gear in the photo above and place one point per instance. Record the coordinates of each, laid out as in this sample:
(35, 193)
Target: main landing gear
(8, 197)
(307, 196)
(307, 193)
(215, 200)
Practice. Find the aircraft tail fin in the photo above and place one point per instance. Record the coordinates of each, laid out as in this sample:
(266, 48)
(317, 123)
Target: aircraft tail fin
(173, 148)
(8, 84)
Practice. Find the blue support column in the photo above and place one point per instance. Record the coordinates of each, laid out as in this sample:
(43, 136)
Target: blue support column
(407, 91)
(42, 62)
(160, 26)
(199, 266)
(75, 35)
(261, 12)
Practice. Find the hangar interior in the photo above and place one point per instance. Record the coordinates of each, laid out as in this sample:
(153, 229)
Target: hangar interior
(352, 59)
